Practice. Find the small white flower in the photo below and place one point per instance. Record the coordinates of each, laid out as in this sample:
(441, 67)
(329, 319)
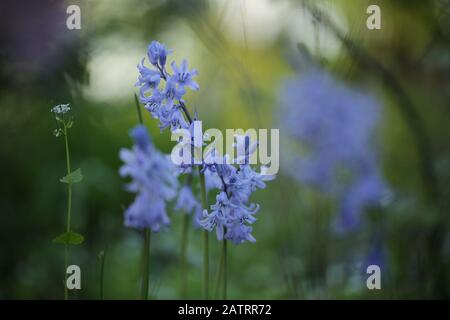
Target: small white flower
(61, 109)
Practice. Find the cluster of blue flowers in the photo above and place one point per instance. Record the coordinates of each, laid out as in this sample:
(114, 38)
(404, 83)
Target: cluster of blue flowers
(335, 126)
(154, 180)
(165, 104)
(232, 214)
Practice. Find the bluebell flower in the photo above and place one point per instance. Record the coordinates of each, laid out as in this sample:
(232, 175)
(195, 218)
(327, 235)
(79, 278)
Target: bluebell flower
(183, 77)
(148, 78)
(153, 103)
(231, 219)
(217, 218)
(157, 53)
(172, 92)
(177, 120)
(232, 215)
(334, 128)
(212, 180)
(164, 102)
(171, 118)
(153, 179)
(238, 232)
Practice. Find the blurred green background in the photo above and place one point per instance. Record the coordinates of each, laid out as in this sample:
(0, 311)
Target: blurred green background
(242, 49)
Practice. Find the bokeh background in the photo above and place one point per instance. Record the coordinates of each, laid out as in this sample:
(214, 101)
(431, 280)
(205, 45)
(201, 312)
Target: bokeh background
(244, 50)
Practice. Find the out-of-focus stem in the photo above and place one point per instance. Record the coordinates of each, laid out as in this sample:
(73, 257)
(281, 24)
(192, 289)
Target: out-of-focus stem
(145, 264)
(184, 243)
(205, 238)
(224, 249)
(102, 269)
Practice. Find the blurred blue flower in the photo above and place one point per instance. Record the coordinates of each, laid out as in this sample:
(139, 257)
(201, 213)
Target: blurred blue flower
(147, 211)
(376, 254)
(334, 126)
(367, 190)
(187, 202)
(154, 180)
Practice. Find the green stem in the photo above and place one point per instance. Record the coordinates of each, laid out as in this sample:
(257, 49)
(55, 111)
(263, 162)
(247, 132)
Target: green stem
(136, 100)
(66, 258)
(205, 238)
(219, 275)
(145, 264)
(147, 233)
(224, 253)
(184, 242)
(69, 213)
(102, 269)
(205, 264)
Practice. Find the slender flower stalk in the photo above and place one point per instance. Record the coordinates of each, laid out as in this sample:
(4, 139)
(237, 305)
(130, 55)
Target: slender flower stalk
(64, 122)
(69, 211)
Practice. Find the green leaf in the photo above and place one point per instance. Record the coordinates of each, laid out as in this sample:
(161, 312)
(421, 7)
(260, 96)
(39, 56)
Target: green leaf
(69, 238)
(73, 177)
